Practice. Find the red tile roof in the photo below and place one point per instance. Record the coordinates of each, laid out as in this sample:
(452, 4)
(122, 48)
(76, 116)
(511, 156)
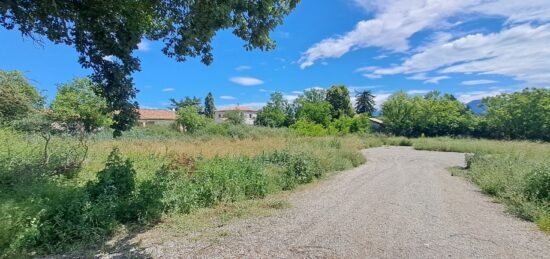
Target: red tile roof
(156, 114)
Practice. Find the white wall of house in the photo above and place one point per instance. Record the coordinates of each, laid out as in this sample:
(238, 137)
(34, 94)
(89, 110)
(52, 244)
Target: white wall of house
(249, 117)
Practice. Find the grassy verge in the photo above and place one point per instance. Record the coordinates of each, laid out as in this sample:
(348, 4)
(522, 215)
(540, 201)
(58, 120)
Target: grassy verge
(149, 180)
(517, 173)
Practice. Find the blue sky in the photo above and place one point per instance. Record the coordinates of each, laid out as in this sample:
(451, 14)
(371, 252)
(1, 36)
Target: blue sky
(471, 48)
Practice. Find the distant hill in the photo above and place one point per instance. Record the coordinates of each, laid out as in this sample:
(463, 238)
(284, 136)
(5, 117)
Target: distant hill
(476, 106)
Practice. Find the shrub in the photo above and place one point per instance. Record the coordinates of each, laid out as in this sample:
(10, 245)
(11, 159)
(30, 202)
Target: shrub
(191, 119)
(538, 183)
(234, 117)
(117, 179)
(306, 128)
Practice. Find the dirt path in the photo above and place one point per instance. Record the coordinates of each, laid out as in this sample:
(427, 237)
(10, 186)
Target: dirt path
(402, 203)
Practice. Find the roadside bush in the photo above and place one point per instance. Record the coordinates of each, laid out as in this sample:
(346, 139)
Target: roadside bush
(300, 168)
(538, 183)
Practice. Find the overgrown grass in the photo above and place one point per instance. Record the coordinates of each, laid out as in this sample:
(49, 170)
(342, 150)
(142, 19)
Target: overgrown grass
(149, 178)
(515, 172)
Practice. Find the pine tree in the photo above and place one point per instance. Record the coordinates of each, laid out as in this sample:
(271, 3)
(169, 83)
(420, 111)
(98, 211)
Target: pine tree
(364, 102)
(209, 107)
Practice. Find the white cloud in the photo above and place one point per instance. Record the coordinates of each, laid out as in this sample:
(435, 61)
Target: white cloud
(290, 97)
(227, 97)
(467, 97)
(394, 22)
(372, 76)
(144, 45)
(297, 92)
(427, 79)
(242, 68)
(169, 89)
(520, 52)
(246, 81)
(380, 98)
(435, 80)
(418, 91)
(479, 82)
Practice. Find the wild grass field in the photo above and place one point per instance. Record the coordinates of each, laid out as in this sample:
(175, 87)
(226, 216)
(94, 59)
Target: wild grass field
(156, 175)
(148, 175)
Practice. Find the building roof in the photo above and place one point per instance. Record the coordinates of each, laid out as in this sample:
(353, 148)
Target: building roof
(236, 108)
(156, 114)
(375, 120)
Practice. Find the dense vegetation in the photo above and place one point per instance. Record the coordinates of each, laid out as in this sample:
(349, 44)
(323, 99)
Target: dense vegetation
(520, 115)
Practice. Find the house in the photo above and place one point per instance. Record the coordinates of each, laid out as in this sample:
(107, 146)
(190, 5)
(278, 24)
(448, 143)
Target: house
(376, 123)
(156, 117)
(249, 114)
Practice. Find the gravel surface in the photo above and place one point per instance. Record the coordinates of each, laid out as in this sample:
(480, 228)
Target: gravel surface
(401, 203)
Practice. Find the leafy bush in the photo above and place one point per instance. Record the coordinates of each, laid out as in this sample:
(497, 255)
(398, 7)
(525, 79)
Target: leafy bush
(234, 117)
(306, 128)
(191, 119)
(538, 183)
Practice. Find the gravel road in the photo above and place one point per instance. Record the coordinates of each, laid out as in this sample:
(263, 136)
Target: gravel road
(401, 203)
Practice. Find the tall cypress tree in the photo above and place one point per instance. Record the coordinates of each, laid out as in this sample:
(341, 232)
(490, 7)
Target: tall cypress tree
(209, 106)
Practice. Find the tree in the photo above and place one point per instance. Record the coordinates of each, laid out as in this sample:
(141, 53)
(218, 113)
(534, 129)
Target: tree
(234, 117)
(77, 105)
(431, 115)
(397, 114)
(186, 102)
(190, 118)
(313, 95)
(17, 96)
(338, 97)
(520, 115)
(209, 107)
(274, 114)
(316, 112)
(364, 102)
(106, 33)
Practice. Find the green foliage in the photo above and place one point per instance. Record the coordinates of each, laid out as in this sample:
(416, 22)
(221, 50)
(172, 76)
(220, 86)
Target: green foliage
(313, 95)
(341, 125)
(299, 168)
(364, 102)
(117, 179)
(306, 128)
(361, 124)
(338, 97)
(209, 107)
(185, 103)
(430, 115)
(190, 118)
(317, 112)
(520, 115)
(275, 113)
(17, 96)
(234, 117)
(77, 104)
(186, 27)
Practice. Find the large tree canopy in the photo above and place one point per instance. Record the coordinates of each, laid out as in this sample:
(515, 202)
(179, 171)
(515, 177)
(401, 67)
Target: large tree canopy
(100, 29)
(17, 96)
